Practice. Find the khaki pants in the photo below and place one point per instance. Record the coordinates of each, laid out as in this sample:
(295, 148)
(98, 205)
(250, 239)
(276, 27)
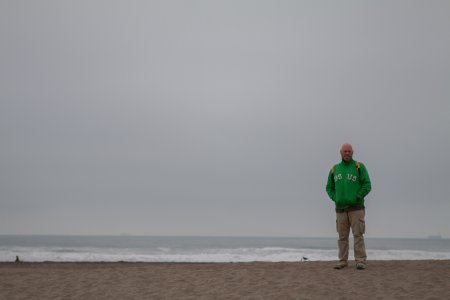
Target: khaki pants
(355, 221)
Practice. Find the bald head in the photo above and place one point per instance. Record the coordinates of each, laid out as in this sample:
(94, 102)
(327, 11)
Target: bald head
(346, 152)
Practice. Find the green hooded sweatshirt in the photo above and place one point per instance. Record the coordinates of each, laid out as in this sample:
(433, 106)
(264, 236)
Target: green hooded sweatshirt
(346, 185)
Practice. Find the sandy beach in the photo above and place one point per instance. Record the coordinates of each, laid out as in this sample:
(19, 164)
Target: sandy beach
(258, 280)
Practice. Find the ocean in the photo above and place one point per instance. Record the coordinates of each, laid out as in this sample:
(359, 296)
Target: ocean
(38, 248)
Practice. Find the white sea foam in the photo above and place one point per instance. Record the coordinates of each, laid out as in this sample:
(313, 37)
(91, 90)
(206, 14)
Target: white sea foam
(269, 254)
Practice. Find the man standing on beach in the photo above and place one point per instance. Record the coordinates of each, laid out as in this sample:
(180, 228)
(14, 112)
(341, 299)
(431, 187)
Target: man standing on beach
(348, 183)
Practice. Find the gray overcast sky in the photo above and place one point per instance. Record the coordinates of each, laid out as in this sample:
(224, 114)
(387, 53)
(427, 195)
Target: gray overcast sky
(221, 117)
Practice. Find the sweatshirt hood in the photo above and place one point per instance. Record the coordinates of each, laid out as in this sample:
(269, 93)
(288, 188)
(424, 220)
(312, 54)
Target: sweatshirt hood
(347, 162)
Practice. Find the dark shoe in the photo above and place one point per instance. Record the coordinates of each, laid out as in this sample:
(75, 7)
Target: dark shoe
(360, 266)
(340, 265)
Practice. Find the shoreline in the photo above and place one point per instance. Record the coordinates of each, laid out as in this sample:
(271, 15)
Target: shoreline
(376, 261)
(399, 279)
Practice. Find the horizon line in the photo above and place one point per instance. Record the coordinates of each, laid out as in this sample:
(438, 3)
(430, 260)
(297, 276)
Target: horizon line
(429, 237)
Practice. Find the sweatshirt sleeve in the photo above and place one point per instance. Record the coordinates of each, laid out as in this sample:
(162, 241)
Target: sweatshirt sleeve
(330, 188)
(366, 185)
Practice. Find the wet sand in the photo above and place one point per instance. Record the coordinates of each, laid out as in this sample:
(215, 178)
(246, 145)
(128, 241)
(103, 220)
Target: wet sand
(424, 279)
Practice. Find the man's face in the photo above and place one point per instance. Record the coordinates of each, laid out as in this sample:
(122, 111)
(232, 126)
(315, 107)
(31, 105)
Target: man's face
(346, 152)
